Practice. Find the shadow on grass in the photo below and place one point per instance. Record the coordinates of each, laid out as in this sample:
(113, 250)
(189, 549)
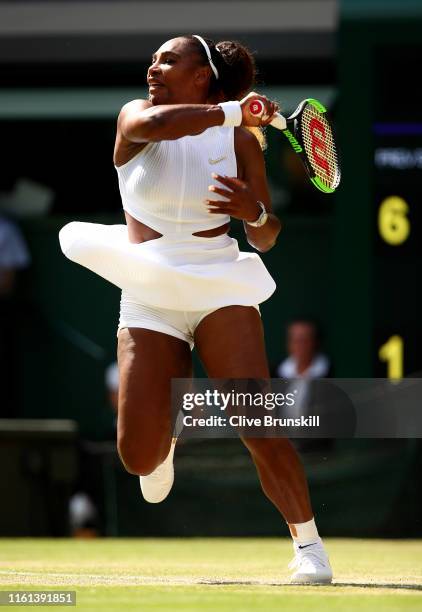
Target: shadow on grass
(360, 585)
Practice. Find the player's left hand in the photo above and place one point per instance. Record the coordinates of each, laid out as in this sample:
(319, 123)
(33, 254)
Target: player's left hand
(241, 202)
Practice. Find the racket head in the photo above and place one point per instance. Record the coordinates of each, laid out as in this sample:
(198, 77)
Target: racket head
(319, 153)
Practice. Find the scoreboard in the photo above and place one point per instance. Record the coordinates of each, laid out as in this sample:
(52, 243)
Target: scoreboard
(378, 253)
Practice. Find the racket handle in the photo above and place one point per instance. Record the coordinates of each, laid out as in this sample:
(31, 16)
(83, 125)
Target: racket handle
(279, 122)
(256, 107)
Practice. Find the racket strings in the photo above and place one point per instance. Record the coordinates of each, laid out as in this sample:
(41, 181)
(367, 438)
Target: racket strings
(319, 146)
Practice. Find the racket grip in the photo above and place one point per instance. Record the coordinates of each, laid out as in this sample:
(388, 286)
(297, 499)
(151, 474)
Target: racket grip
(279, 122)
(257, 108)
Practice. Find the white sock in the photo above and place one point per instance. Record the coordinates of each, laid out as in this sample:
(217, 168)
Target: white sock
(304, 533)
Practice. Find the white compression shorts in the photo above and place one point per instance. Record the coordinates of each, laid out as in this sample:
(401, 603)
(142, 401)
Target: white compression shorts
(178, 323)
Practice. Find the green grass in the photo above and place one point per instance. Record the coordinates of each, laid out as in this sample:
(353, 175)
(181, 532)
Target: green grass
(214, 574)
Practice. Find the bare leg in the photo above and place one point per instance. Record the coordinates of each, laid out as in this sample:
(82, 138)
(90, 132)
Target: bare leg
(148, 360)
(230, 342)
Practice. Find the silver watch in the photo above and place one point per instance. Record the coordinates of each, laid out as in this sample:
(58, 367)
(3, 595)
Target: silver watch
(262, 219)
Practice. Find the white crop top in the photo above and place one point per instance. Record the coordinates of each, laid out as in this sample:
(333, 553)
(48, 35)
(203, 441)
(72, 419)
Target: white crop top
(165, 184)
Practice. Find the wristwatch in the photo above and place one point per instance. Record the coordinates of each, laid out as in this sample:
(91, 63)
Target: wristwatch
(262, 219)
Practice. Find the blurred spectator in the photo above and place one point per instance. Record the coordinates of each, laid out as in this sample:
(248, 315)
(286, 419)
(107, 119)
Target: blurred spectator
(14, 255)
(304, 363)
(83, 516)
(304, 359)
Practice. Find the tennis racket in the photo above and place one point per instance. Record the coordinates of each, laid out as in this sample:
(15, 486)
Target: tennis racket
(311, 137)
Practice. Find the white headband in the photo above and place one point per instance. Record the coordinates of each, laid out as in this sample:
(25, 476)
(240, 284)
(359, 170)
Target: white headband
(208, 52)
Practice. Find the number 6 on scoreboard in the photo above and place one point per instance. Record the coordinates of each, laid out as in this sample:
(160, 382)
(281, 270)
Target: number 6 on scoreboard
(311, 136)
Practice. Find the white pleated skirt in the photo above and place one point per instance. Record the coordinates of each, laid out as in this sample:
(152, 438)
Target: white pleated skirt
(178, 272)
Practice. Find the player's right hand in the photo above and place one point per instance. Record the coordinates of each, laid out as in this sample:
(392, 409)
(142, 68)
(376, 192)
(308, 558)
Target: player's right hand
(257, 120)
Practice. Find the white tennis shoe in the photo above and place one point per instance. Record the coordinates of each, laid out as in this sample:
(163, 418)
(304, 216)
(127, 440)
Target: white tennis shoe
(156, 486)
(311, 564)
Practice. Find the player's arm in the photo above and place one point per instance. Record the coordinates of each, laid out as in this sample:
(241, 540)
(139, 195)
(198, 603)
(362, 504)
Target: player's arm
(139, 121)
(243, 193)
(255, 176)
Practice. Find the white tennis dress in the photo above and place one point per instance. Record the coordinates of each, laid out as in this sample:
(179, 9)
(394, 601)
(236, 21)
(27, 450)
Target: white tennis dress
(165, 186)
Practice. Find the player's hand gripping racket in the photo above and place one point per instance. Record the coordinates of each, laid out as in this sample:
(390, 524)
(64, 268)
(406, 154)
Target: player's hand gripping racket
(311, 136)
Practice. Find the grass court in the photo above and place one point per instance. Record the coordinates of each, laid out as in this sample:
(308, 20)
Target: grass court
(214, 574)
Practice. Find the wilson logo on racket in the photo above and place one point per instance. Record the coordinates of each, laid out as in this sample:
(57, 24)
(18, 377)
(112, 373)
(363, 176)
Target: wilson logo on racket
(293, 141)
(317, 133)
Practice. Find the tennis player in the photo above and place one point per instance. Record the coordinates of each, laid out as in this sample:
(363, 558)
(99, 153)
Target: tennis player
(186, 162)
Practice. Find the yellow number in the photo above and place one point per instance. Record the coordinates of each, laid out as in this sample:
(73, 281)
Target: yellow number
(392, 353)
(393, 224)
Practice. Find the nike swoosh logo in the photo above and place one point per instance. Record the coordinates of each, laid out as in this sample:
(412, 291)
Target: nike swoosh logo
(306, 545)
(215, 161)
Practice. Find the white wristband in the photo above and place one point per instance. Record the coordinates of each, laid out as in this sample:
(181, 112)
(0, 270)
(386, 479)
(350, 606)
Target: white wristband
(232, 113)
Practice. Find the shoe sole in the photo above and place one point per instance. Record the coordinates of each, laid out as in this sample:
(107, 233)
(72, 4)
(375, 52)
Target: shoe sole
(150, 496)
